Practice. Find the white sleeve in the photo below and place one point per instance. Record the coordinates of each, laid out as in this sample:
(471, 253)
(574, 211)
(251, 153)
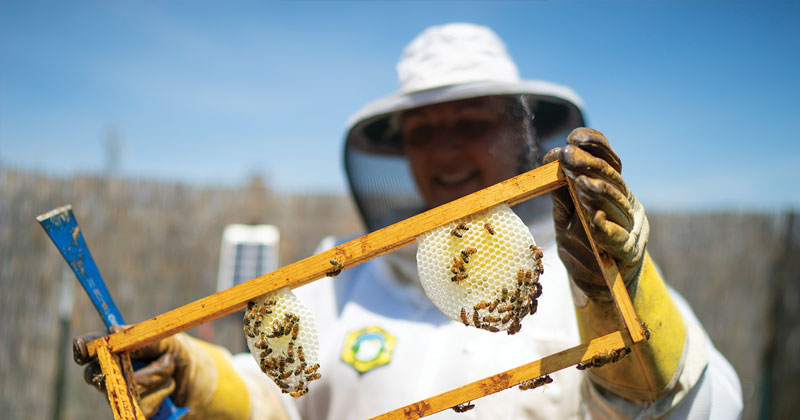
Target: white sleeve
(717, 395)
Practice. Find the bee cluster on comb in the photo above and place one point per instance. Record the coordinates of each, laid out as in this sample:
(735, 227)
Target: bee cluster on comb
(482, 270)
(282, 336)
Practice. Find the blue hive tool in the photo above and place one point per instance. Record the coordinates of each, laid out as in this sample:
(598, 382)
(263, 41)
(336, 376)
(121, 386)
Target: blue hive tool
(63, 230)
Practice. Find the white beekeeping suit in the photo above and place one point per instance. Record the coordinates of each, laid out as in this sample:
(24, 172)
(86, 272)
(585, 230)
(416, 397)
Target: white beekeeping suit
(384, 344)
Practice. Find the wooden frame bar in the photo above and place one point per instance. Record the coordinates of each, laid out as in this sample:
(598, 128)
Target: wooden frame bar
(510, 378)
(538, 181)
(610, 273)
(515, 190)
(123, 405)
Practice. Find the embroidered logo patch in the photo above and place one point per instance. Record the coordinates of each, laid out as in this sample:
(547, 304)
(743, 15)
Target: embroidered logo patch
(368, 348)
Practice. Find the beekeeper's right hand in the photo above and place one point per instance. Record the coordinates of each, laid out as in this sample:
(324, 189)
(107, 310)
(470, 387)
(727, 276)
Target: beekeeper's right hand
(194, 373)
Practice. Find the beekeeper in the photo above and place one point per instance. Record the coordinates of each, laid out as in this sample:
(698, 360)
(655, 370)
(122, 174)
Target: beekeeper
(461, 121)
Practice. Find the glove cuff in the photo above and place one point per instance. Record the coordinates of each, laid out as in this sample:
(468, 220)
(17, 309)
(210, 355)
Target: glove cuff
(653, 367)
(217, 389)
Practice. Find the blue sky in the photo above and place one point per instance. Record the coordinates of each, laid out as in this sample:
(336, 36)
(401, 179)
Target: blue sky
(700, 99)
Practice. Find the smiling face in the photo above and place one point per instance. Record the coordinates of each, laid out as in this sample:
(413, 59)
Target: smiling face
(457, 148)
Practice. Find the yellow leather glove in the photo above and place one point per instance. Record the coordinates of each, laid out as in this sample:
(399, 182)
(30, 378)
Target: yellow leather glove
(618, 225)
(193, 373)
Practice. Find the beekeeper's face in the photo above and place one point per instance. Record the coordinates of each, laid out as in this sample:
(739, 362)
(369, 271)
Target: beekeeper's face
(457, 148)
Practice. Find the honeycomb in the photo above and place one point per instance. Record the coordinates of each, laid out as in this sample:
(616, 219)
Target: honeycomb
(482, 270)
(282, 336)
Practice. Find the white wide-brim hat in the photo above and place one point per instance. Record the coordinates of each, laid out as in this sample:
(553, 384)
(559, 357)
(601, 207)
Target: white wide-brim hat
(458, 61)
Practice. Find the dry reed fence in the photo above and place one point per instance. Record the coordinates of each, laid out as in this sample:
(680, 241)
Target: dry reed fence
(157, 246)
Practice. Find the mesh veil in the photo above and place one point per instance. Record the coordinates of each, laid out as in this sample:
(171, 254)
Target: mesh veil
(383, 185)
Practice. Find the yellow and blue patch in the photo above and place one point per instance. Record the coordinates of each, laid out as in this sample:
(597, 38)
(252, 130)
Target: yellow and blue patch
(368, 348)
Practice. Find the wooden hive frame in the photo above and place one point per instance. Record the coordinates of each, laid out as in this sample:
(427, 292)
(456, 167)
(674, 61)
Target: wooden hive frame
(113, 350)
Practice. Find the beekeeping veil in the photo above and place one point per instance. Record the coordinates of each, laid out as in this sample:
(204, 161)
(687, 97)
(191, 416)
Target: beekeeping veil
(448, 63)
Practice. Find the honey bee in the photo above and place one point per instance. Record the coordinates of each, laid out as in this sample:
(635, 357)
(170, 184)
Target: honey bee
(493, 329)
(493, 306)
(489, 228)
(505, 308)
(476, 320)
(460, 408)
(457, 231)
(290, 349)
(481, 305)
(521, 276)
(464, 316)
(458, 262)
(312, 369)
(337, 268)
(300, 354)
(285, 375)
(250, 305)
(615, 356)
(278, 328)
(528, 276)
(283, 386)
(646, 330)
(313, 377)
(298, 371)
(297, 394)
(533, 307)
(249, 331)
(535, 382)
(466, 252)
(536, 252)
(459, 277)
(537, 287)
(602, 359)
(295, 331)
(269, 363)
(507, 318)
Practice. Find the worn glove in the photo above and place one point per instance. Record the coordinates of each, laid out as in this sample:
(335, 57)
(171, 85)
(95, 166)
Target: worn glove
(193, 373)
(619, 227)
(616, 219)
